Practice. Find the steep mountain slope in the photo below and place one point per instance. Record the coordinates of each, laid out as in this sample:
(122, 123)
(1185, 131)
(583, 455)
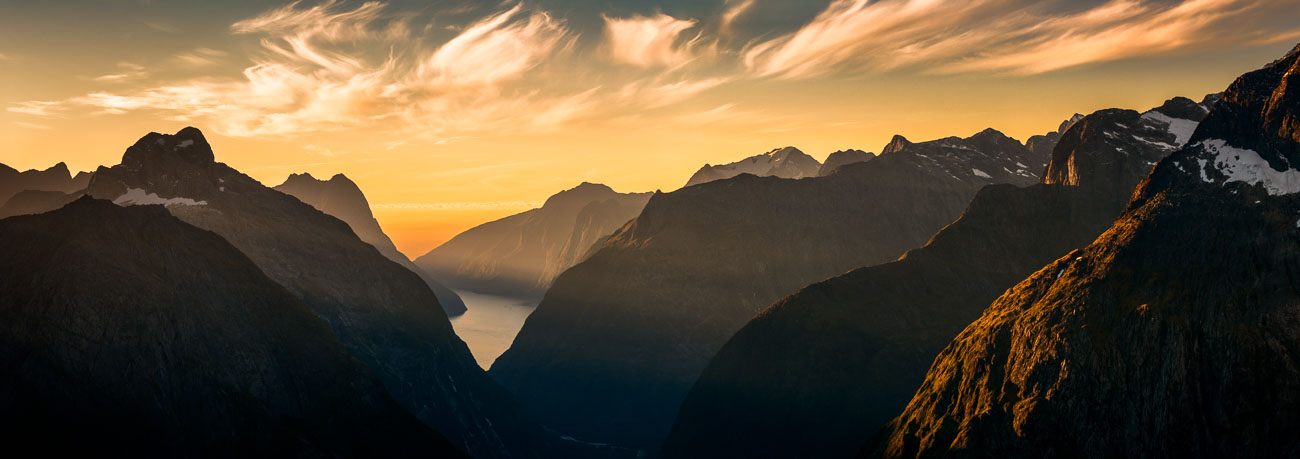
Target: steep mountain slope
(843, 356)
(343, 199)
(619, 338)
(521, 254)
(1174, 334)
(56, 178)
(786, 162)
(842, 157)
(384, 314)
(124, 331)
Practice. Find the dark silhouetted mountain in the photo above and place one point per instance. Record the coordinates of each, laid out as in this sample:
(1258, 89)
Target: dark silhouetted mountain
(619, 338)
(786, 162)
(1174, 334)
(127, 332)
(343, 199)
(56, 178)
(521, 254)
(34, 202)
(842, 157)
(385, 315)
(812, 373)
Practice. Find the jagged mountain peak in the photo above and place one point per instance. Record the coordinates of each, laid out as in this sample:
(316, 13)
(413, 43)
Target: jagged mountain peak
(188, 145)
(784, 162)
(1069, 122)
(1182, 107)
(993, 139)
(1251, 138)
(59, 168)
(989, 133)
(896, 144)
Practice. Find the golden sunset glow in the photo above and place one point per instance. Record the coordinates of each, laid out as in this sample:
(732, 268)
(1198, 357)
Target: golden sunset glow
(451, 114)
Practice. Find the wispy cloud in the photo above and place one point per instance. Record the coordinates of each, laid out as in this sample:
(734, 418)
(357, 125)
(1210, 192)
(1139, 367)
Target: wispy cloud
(126, 71)
(33, 125)
(201, 57)
(312, 77)
(648, 41)
(1001, 36)
(35, 107)
(496, 49)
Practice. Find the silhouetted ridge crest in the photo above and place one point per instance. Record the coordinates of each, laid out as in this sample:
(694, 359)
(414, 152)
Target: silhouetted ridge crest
(187, 145)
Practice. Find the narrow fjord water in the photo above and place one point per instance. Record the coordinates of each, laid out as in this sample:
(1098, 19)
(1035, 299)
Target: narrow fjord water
(490, 323)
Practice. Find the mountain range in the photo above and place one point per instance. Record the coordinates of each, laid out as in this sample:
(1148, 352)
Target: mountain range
(1171, 335)
(385, 315)
(35, 191)
(811, 373)
(343, 199)
(520, 255)
(618, 339)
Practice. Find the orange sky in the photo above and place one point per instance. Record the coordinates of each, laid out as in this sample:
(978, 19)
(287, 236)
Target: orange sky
(455, 114)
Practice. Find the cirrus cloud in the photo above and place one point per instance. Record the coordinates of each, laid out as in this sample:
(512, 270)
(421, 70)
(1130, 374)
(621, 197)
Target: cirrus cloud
(648, 41)
(1006, 36)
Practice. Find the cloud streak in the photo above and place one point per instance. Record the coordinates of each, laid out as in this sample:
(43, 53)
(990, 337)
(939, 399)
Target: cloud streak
(648, 41)
(1002, 36)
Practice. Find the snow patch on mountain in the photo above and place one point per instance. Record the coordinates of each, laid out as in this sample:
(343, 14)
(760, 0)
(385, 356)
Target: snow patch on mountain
(140, 197)
(1247, 166)
(1181, 129)
(981, 174)
(786, 162)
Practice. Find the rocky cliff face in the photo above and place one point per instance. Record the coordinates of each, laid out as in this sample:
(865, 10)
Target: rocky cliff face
(343, 199)
(619, 338)
(56, 178)
(384, 314)
(124, 331)
(1172, 335)
(841, 357)
(521, 254)
(843, 157)
(786, 162)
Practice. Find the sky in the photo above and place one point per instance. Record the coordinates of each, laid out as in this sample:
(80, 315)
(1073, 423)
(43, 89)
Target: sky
(452, 113)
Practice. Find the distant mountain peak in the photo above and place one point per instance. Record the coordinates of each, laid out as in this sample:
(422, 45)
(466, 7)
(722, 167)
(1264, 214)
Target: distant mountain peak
(188, 145)
(990, 132)
(843, 158)
(896, 144)
(582, 193)
(1067, 124)
(60, 168)
(784, 162)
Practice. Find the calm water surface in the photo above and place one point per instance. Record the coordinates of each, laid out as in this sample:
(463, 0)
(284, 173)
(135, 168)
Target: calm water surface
(491, 323)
